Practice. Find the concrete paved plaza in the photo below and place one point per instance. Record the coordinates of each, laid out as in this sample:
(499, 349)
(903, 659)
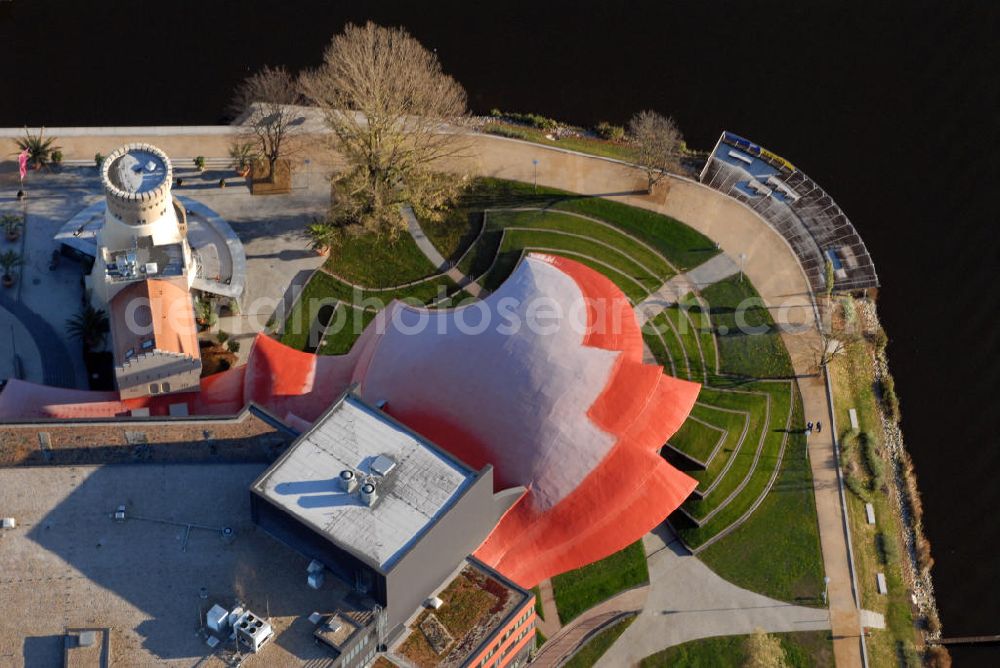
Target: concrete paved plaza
(69, 564)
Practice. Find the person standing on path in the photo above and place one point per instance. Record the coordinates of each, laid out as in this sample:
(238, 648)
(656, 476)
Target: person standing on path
(819, 426)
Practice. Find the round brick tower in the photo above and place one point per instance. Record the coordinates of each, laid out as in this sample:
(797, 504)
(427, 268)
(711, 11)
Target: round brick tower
(142, 222)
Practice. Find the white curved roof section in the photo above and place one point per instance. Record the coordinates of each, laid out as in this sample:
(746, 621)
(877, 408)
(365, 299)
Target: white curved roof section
(509, 383)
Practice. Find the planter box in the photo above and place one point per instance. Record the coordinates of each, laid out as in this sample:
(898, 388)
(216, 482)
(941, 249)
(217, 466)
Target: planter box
(261, 183)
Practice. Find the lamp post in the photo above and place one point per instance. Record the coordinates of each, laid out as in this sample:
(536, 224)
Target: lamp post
(534, 169)
(743, 259)
(826, 587)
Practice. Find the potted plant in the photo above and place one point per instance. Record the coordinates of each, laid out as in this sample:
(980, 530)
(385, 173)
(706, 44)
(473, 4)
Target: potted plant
(39, 148)
(57, 157)
(12, 226)
(10, 260)
(199, 162)
(222, 182)
(242, 154)
(233, 345)
(204, 314)
(98, 160)
(323, 237)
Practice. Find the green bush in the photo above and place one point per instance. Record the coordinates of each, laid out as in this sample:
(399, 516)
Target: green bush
(911, 657)
(233, 345)
(57, 156)
(610, 132)
(848, 442)
(853, 484)
(199, 162)
(98, 159)
(881, 339)
(889, 397)
(222, 336)
(873, 460)
(888, 550)
(534, 120)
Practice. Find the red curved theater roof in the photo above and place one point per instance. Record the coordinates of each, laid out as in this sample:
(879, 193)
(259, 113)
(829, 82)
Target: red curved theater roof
(562, 405)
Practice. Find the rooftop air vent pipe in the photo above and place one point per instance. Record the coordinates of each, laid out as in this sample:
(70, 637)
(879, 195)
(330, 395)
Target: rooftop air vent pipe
(368, 494)
(348, 481)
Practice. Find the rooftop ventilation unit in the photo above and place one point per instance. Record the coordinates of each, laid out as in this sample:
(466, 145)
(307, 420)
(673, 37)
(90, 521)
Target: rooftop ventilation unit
(152, 268)
(368, 495)
(382, 465)
(253, 631)
(217, 619)
(348, 481)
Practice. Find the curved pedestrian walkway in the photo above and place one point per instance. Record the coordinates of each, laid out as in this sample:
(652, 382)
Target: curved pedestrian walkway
(432, 254)
(687, 601)
(560, 646)
(56, 366)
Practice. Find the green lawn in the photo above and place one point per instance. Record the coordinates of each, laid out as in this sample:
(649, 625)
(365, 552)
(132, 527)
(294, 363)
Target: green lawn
(600, 643)
(323, 290)
(540, 219)
(722, 478)
(583, 588)
(697, 439)
(769, 450)
(777, 551)
(737, 426)
(666, 345)
(454, 232)
(749, 343)
(344, 330)
(674, 321)
(627, 275)
(375, 262)
(701, 322)
(808, 649)
(682, 246)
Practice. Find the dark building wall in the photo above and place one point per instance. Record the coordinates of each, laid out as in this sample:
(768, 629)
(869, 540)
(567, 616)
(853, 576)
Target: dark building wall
(304, 539)
(439, 551)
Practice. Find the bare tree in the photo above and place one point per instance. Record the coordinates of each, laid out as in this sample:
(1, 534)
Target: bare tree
(658, 141)
(393, 114)
(264, 106)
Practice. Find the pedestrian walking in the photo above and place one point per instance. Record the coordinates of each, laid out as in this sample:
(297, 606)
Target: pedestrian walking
(819, 426)
(809, 427)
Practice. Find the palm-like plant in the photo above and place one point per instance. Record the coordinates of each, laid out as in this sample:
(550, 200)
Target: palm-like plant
(10, 260)
(11, 225)
(323, 237)
(204, 313)
(243, 154)
(90, 326)
(39, 148)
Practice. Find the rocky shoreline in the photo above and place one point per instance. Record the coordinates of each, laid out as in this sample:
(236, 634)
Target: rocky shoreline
(904, 492)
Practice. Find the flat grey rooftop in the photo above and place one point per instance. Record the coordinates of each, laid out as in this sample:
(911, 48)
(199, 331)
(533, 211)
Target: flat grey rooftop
(138, 171)
(420, 488)
(69, 564)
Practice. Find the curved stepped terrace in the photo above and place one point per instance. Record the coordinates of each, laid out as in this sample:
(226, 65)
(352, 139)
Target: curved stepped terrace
(734, 441)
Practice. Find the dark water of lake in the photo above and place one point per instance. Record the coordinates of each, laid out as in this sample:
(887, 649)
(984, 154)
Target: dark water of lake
(891, 105)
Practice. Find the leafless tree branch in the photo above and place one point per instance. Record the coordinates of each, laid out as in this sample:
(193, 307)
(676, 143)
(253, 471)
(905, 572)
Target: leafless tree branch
(393, 113)
(658, 140)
